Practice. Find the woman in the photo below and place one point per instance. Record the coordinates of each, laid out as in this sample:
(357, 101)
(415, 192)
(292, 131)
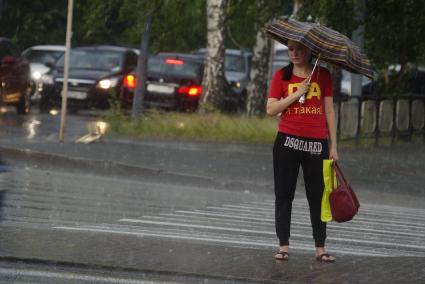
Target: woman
(302, 139)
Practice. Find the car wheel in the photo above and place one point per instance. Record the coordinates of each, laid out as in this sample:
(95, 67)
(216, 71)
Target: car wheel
(241, 107)
(44, 105)
(24, 105)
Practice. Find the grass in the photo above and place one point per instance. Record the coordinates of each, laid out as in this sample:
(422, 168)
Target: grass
(194, 126)
(220, 127)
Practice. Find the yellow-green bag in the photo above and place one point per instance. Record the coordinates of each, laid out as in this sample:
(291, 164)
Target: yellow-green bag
(326, 215)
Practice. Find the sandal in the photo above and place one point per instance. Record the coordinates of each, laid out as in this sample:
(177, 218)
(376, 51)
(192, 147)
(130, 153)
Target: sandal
(322, 258)
(282, 255)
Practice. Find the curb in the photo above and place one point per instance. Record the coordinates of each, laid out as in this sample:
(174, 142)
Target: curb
(41, 160)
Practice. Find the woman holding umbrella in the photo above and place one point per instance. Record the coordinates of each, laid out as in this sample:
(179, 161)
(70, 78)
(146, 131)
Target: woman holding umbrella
(302, 140)
(307, 131)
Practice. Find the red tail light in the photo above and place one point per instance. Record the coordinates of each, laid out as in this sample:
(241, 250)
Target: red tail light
(174, 61)
(130, 81)
(191, 91)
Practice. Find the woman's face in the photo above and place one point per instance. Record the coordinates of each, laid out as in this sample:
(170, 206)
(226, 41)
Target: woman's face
(298, 53)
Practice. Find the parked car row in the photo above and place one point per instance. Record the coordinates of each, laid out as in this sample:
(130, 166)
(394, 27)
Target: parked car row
(99, 73)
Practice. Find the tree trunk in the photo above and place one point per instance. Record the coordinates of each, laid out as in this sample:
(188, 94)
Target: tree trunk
(258, 85)
(213, 85)
(336, 75)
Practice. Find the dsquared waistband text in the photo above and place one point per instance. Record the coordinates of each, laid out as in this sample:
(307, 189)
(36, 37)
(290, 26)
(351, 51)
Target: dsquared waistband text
(302, 145)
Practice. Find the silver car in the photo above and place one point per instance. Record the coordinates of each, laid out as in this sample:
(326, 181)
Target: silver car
(41, 58)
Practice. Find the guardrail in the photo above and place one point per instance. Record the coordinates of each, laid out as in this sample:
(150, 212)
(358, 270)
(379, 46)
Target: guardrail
(380, 117)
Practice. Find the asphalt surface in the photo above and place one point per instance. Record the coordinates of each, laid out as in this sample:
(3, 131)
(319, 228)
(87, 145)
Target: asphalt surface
(192, 212)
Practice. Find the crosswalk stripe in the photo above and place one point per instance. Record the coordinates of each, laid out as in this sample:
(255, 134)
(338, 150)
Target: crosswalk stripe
(252, 224)
(171, 216)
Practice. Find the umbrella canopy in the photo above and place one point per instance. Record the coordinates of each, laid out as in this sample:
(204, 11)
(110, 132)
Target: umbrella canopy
(333, 46)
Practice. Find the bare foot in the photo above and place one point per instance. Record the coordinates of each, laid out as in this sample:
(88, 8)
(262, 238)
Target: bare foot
(322, 256)
(282, 254)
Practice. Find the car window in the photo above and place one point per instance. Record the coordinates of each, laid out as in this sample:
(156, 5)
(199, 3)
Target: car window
(131, 60)
(42, 56)
(281, 52)
(174, 67)
(94, 59)
(14, 50)
(234, 63)
(4, 50)
(7, 49)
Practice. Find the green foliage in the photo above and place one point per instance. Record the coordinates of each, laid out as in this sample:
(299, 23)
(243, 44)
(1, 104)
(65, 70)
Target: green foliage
(30, 22)
(394, 31)
(246, 17)
(393, 28)
(336, 14)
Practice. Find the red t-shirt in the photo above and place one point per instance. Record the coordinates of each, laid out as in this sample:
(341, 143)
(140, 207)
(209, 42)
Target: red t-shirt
(308, 119)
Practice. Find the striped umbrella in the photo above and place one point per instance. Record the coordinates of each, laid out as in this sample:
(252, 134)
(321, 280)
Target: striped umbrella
(332, 46)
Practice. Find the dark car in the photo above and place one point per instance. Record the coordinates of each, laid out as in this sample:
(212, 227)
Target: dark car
(95, 76)
(174, 81)
(237, 68)
(410, 83)
(15, 82)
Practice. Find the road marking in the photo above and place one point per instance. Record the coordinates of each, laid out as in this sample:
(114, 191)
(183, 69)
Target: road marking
(252, 225)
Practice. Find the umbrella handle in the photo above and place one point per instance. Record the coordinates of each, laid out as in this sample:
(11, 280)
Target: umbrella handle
(302, 98)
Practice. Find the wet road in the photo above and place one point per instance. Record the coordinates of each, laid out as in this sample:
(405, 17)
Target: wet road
(54, 213)
(87, 203)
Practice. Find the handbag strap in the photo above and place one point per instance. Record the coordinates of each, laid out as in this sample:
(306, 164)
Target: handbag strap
(333, 170)
(339, 175)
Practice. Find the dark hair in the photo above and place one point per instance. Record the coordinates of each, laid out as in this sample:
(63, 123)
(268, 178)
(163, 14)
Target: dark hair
(287, 72)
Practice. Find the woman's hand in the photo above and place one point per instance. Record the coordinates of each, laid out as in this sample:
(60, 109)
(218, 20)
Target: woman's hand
(333, 154)
(303, 88)
(276, 106)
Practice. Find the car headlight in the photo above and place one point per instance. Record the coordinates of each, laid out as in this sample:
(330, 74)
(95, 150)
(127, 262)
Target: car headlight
(36, 75)
(107, 83)
(47, 79)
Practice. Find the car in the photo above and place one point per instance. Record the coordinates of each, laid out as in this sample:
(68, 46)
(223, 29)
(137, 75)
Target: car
(15, 82)
(346, 83)
(237, 68)
(96, 74)
(41, 58)
(174, 82)
(280, 58)
(410, 83)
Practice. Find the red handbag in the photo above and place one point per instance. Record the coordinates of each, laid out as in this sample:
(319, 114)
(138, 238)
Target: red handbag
(343, 201)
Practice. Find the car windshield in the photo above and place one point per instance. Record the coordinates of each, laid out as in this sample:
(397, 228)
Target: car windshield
(43, 56)
(234, 63)
(94, 59)
(174, 67)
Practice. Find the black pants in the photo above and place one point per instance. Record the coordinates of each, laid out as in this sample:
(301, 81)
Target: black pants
(289, 152)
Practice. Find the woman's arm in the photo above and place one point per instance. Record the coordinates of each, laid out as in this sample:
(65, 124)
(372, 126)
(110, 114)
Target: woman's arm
(275, 106)
(330, 119)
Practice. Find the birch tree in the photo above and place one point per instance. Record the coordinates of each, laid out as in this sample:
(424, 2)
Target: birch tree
(258, 85)
(213, 85)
